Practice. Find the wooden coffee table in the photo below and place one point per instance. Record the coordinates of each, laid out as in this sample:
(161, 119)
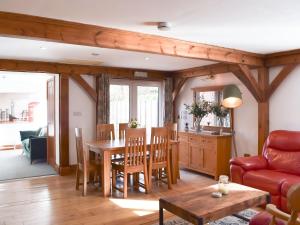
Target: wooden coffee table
(199, 207)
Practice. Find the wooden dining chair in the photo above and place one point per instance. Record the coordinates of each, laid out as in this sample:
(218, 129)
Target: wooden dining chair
(173, 129)
(159, 153)
(105, 132)
(122, 128)
(84, 166)
(135, 159)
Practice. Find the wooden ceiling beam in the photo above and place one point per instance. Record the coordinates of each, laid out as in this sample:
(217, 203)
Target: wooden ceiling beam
(282, 58)
(207, 70)
(285, 71)
(246, 77)
(84, 85)
(59, 68)
(33, 27)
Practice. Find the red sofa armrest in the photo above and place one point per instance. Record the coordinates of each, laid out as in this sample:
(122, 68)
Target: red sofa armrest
(250, 163)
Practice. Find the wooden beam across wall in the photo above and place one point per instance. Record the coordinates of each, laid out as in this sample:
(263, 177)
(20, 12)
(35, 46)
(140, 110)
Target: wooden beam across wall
(64, 123)
(246, 77)
(85, 86)
(59, 68)
(207, 70)
(263, 108)
(282, 58)
(40, 28)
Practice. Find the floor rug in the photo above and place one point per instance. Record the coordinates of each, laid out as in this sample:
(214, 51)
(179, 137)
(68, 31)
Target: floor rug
(15, 165)
(229, 220)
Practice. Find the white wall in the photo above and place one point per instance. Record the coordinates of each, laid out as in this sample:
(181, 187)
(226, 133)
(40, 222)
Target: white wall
(245, 117)
(82, 113)
(285, 102)
(284, 107)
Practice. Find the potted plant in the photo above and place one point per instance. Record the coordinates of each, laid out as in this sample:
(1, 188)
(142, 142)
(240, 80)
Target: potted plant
(221, 113)
(199, 110)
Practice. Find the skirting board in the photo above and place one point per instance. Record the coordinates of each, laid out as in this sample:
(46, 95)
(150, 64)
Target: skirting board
(67, 170)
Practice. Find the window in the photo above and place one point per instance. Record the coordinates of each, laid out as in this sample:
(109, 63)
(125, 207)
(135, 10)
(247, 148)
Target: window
(213, 95)
(139, 100)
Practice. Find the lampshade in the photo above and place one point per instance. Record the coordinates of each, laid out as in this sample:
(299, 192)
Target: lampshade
(232, 96)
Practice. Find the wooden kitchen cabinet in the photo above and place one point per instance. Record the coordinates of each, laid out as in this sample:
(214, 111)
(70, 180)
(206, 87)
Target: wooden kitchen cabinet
(205, 153)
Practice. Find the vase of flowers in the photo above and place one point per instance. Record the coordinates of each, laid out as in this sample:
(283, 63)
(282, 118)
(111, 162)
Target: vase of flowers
(221, 113)
(133, 123)
(199, 110)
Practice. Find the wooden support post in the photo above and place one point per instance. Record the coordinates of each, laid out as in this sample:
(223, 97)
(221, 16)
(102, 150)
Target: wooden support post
(263, 108)
(64, 124)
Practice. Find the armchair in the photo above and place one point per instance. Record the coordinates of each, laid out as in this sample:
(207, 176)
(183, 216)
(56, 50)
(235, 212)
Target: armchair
(34, 144)
(275, 171)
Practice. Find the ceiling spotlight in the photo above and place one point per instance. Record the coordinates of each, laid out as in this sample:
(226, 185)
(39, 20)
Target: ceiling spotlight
(147, 58)
(43, 48)
(95, 54)
(164, 26)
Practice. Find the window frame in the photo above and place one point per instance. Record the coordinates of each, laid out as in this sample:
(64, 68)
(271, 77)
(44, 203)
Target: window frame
(133, 86)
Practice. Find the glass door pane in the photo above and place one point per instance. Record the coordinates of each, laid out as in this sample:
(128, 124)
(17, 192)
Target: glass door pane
(119, 105)
(148, 106)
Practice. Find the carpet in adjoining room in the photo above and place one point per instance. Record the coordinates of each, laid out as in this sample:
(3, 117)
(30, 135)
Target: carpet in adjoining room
(15, 165)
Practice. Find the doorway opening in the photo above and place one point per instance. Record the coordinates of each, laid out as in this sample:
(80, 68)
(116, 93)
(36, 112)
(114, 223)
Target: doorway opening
(28, 114)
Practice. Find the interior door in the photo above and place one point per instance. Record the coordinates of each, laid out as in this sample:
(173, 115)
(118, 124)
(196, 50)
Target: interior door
(51, 155)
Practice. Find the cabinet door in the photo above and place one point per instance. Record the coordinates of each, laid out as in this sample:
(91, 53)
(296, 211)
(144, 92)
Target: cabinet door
(196, 156)
(209, 159)
(210, 155)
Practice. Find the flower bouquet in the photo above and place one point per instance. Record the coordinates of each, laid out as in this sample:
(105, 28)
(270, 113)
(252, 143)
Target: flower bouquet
(133, 123)
(199, 110)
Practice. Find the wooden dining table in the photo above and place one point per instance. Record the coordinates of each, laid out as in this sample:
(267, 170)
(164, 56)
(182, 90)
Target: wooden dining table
(106, 149)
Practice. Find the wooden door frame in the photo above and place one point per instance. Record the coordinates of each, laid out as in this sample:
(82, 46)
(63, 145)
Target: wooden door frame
(53, 164)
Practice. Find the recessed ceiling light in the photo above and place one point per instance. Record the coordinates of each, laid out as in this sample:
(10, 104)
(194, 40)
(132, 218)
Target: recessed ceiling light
(164, 26)
(95, 54)
(147, 58)
(43, 48)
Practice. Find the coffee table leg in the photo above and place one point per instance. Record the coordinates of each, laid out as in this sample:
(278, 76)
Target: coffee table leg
(161, 215)
(199, 221)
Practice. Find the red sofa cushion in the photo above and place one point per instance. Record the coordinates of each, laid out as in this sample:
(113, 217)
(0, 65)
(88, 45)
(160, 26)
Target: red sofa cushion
(250, 163)
(282, 151)
(289, 181)
(267, 180)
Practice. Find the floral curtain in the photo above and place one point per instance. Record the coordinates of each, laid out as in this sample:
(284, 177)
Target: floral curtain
(102, 87)
(168, 117)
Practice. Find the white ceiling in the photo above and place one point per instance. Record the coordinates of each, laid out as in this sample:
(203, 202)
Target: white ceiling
(24, 49)
(261, 26)
(17, 82)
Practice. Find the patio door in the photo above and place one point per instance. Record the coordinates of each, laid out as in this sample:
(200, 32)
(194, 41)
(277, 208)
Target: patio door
(139, 100)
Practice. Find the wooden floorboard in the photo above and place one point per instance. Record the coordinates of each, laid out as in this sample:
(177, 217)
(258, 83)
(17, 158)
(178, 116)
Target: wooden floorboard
(54, 200)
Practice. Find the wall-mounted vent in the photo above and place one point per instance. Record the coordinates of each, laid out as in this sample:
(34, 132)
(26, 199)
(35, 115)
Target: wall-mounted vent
(140, 74)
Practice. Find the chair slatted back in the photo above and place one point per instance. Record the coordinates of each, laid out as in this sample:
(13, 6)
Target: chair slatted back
(135, 147)
(122, 128)
(293, 197)
(159, 144)
(81, 156)
(173, 129)
(105, 132)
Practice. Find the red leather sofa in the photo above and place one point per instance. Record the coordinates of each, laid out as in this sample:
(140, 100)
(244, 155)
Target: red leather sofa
(275, 171)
